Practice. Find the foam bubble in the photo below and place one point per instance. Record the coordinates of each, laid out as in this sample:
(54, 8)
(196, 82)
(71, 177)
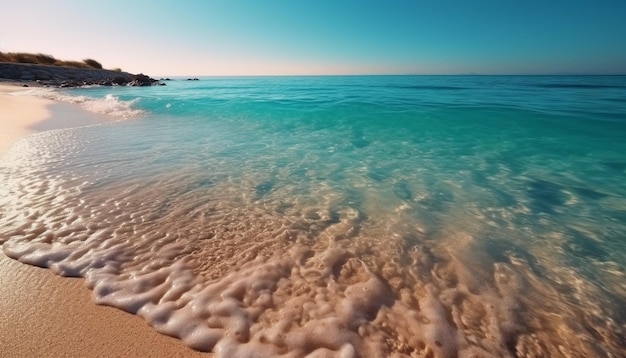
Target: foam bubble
(110, 105)
(240, 267)
(248, 289)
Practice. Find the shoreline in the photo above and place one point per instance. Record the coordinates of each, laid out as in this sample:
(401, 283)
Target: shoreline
(42, 314)
(19, 114)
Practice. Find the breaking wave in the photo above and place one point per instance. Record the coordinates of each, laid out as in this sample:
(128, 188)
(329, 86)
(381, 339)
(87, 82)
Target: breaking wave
(109, 105)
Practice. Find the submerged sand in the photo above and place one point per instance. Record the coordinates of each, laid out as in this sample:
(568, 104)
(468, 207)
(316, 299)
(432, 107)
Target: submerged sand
(44, 315)
(322, 276)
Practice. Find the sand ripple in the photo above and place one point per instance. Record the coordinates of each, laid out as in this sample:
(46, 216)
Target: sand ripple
(247, 268)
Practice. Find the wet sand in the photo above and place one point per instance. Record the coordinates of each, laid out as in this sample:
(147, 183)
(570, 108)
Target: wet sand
(44, 315)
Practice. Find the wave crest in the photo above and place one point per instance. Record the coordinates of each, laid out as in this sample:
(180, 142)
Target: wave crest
(110, 105)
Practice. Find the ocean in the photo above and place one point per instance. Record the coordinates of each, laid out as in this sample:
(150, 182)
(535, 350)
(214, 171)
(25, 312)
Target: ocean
(357, 216)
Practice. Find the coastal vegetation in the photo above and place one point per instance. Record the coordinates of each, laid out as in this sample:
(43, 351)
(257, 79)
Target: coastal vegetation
(46, 70)
(45, 59)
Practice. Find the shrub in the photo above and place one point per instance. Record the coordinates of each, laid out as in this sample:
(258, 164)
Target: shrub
(44, 59)
(25, 58)
(71, 64)
(92, 63)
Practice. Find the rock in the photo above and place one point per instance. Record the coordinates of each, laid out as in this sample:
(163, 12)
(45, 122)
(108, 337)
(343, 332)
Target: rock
(138, 83)
(142, 80)
(120, 81)
(57, 76)
(43, 75)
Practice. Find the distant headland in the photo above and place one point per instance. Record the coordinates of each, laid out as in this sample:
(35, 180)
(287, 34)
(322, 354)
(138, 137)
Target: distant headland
(46, 70)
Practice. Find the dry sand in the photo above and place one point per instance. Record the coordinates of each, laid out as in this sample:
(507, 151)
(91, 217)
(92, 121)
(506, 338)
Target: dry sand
(18, 114)
(44, 315)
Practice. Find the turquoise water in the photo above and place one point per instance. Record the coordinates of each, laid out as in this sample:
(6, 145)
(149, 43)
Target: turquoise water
(345, 216)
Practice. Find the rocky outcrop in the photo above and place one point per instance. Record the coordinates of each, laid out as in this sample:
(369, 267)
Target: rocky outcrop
(142, 80)
(57, 76)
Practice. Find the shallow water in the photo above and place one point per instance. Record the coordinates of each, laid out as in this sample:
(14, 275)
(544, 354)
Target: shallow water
(348, 216)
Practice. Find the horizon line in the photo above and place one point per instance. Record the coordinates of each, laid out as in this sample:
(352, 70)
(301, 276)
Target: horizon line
(397, 75)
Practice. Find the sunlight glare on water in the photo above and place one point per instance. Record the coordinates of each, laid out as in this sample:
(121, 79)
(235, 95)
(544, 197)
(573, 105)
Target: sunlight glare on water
(342, 216)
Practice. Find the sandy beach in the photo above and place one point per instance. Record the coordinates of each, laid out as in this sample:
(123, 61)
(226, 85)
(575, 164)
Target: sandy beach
(44, 315)
(19, 114)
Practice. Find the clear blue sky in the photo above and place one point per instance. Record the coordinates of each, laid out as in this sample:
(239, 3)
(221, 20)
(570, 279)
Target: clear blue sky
(263, 37)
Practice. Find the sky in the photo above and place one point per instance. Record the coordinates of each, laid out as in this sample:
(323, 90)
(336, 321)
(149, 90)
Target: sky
(324, 37)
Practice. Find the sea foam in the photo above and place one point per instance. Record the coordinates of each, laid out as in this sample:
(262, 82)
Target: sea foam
(368, 227)
(109, 105)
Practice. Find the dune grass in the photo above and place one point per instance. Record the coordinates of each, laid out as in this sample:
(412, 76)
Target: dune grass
(44, 59)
